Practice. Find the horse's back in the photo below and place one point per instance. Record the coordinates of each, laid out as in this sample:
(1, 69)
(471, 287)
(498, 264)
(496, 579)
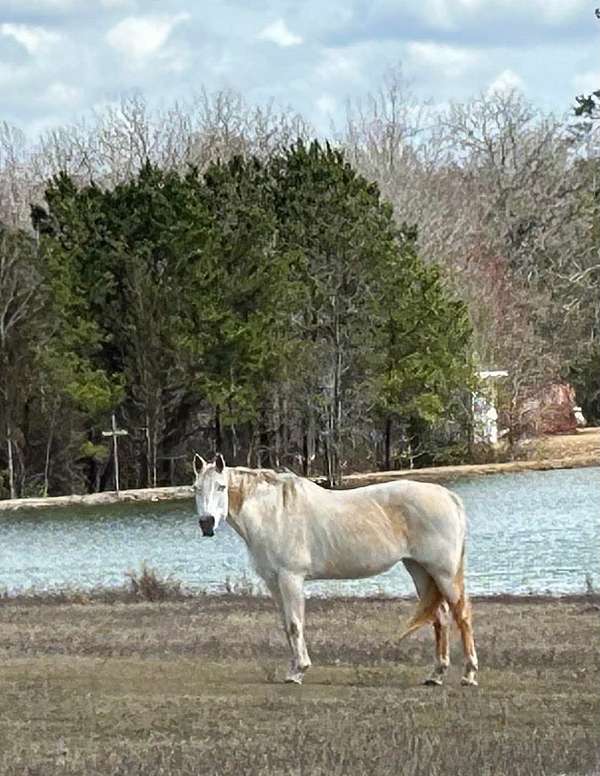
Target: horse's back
(432, 517)
(426, 500)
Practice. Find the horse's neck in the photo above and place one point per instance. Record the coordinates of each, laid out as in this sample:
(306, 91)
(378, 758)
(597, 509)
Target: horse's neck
(237, 486)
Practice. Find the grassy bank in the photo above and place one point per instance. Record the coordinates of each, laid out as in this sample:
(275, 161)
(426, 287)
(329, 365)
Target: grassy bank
(193, 687)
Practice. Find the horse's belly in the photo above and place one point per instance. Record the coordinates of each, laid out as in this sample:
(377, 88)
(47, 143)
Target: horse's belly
(349, 574)
(344, 568)
(357, 554)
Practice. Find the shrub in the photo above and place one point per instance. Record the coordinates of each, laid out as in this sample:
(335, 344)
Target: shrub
(147, 585)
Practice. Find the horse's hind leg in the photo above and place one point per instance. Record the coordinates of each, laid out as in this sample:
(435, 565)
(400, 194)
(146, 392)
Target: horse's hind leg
(292, 597)
(460, 606)
(441, 622)
(461, 611)
(441, 627)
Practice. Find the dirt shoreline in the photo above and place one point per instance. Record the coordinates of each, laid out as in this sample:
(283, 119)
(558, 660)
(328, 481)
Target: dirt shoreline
(569, 451)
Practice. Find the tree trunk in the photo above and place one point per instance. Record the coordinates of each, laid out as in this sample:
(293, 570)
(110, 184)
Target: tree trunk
(329, 462)
(47, 460)
(218, 430)
(264, 446)
(308, 443)
(305, 455)
(285, 429)
(335, 438)
(277, 425)
(11, 465)
(388, 443)
(155, 454)
(148, 452)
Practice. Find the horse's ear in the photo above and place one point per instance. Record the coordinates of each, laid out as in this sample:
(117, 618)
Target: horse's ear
(219, 462)
(198, 463)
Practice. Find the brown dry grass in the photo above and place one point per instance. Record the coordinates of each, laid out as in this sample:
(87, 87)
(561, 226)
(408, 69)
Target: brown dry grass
(188, 687)
(584, 441)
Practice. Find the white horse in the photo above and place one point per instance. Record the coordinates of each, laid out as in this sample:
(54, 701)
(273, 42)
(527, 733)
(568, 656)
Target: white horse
(296, 530)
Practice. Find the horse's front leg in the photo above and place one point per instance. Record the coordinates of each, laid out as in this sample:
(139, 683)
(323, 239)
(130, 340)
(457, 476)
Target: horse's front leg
(272, 583)
(291, 590)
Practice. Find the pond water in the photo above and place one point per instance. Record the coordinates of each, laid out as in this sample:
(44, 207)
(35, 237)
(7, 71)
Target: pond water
(532, 532)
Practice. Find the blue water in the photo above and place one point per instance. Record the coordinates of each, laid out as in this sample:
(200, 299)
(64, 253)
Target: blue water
(532, 532)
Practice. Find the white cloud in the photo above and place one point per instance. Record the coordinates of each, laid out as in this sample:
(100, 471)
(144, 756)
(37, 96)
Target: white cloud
(557, 11)
(585, 83)
(8, 74)
(33, 39)
(549, 10)
(140, 36)
(472, 5)
(278, 33)
(447, 14)
(312, 57)
(326, 104)
(34, 6)
(438, 13)
(337, 63)
(61, 4)
(61, 94)
(506, 82)
(451, 61)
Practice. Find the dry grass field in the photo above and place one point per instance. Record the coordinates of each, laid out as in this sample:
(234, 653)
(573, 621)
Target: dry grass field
(193, 686)
(584, 441)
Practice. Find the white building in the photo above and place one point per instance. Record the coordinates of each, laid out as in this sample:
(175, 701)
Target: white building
(485, 414)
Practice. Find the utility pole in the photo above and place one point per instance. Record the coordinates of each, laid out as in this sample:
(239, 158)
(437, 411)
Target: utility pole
(115, 433)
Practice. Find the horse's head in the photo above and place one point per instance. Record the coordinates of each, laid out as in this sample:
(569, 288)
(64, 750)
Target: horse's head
(210, 491)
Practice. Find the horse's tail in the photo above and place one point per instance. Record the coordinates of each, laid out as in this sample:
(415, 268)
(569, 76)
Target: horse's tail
(427, 606)
(428, 603)
(459, 579)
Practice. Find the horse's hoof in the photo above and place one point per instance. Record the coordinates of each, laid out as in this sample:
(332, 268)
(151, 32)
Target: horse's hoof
(469, 681)
(295, 679)
(433, 681)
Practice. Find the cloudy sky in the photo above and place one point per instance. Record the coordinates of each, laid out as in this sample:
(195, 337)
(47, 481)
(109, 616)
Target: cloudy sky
(60, 58)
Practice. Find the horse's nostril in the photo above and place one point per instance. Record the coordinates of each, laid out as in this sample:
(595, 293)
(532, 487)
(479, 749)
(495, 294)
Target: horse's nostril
(207, 524)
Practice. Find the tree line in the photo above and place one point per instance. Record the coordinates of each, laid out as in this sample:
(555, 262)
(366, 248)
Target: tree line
(273, 311)
(221, 281)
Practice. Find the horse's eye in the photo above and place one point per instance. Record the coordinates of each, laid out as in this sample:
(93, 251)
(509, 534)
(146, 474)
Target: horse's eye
(221, 487)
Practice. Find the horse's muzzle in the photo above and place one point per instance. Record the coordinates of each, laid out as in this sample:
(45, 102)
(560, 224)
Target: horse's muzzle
(207, 524)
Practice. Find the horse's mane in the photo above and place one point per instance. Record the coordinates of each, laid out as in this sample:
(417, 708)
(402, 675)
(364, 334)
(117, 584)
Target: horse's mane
(250, 479)
(270, 476)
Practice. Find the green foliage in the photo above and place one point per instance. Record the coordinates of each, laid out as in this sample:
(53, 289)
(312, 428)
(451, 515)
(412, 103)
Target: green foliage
(118, 263)
(21, 327)
(96, 452)
(257, 285)
(588, 104)
(239, 294)
(419, 359)
(337, 234)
